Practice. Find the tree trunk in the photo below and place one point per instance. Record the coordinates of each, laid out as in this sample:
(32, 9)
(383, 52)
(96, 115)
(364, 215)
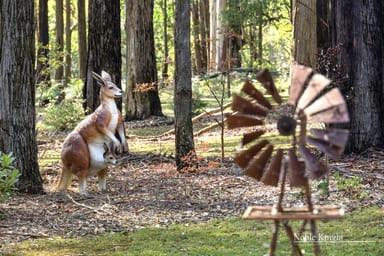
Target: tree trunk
(323, 15)
(165, 43)
(17, 103)
(197, 37)
(104, 52)
(204, 32)
(183, 88)
(359, 26)
(260, 39)
(218, 46)
(304, 32)
(141, 62)
(252, 47)
(212, 35)
(59, 74)
(82, 41)
(68, 34)
(42, 69)
(232, 40)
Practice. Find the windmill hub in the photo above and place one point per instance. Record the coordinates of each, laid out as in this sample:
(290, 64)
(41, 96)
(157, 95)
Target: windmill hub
(286, 125)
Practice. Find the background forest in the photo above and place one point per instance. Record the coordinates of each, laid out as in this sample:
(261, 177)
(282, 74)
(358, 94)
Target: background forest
(261, 31)
(238, 36)
(258, 34)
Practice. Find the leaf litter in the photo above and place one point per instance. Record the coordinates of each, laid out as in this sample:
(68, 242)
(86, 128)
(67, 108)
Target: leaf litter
(146, 190)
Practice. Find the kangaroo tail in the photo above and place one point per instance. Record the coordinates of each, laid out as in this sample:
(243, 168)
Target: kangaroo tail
(65, 179)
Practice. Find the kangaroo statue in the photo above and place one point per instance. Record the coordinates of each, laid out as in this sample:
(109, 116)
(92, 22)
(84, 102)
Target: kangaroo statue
(83, 152)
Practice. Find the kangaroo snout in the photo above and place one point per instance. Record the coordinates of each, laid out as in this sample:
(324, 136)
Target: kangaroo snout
(119, 94)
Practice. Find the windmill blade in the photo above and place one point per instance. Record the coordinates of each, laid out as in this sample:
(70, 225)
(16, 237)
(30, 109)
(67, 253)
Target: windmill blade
(249, 89)
(272, 174)
(325, 147)
(299, 78)
(334, 136)
(296, 170)
(316, 85)
(245, 106)
(265, 78)
(315, 169)
(256, 167)
(249, 137)
(242, 120)
(334, 114)
(244, 157)
(329, 108)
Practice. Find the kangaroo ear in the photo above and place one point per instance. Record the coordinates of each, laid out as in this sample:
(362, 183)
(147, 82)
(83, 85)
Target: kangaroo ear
(111, 147)
(98, 78)
(106, 148)
(106, 76)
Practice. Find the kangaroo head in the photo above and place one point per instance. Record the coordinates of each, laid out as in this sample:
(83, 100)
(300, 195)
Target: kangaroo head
(109, 155)
(108, 88)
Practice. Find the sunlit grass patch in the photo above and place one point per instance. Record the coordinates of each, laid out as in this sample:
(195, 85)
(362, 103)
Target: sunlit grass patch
(360, 233)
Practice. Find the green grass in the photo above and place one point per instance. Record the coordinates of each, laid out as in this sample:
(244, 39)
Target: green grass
(205, 146)
(361, 233)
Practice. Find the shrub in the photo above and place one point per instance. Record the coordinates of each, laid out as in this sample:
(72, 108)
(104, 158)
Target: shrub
(65, 115)
(9, 176)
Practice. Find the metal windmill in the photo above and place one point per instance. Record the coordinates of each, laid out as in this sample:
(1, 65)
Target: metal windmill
(311, 100)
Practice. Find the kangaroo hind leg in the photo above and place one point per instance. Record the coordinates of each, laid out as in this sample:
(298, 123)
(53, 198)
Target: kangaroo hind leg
(64, 180)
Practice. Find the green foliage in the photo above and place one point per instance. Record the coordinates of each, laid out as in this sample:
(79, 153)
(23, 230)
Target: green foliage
(352, 187)
(9, 176)
(69, 112)
(323, 187)
(359, 234)
(158, 27)
(273, 17)
(48, 93)
(65, 115)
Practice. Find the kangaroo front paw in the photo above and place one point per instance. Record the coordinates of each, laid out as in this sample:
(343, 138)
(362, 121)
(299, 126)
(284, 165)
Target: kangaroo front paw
(118, 147)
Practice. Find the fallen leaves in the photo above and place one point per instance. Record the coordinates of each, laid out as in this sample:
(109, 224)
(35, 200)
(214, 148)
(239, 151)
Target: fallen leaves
(147, 191)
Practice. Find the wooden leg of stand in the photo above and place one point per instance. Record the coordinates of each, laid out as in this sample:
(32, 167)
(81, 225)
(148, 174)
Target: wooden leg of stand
(302, 229)
(316, 246)
(275, 230)
(295, 246)
(282, 186)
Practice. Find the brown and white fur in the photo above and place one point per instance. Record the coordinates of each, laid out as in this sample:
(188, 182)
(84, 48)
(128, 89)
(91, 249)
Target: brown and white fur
(83, 149)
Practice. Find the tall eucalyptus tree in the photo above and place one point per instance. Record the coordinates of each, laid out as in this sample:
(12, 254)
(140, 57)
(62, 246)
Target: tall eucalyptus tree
(104, 48)
(359, 27)
(183, 87)
(142, 98)
(17, 100)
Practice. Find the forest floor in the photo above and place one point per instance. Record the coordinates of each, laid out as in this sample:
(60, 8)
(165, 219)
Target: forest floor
(146, 190)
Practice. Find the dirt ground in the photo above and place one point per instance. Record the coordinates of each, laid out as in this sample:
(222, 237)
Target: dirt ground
(147, 191)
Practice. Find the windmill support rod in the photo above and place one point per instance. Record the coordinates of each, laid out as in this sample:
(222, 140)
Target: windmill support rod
(275, 231)
(295, 248)
(282, 186)
(302, 229)
(316, 245)
(308, 195)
